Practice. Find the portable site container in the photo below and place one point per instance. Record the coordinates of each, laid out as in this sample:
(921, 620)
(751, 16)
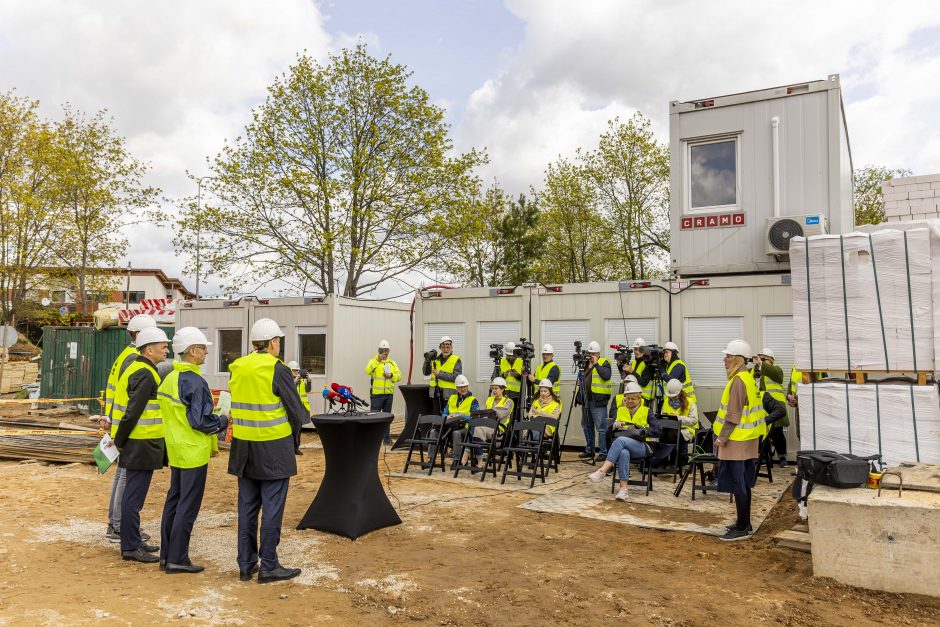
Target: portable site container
(76, 361)
(701, 319)
(332, 338)
(749, 171)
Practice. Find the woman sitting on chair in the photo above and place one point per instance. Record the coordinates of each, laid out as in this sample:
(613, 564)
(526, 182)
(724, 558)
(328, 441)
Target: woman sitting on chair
(678, 404)
(630, 426)
(501, 404)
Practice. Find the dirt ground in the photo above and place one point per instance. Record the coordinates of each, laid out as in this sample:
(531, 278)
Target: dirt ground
(462, 556)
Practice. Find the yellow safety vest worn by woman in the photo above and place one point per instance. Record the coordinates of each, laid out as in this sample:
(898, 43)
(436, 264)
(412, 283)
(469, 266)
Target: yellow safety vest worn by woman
(447, 366)
(541, 373)
(504, 403)
(551, 409)
(669, 410)
(687, 385)
(257, 413)
(150, 425)
(185, 447)
(752, 425)
(376, 370)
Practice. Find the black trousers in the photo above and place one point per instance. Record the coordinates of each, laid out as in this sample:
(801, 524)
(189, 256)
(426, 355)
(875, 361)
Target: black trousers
(135, 493)
(778, 437)
(383, 403)
(268, 497)
(183, 500)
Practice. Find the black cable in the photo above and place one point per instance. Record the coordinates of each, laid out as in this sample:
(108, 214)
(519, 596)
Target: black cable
(388, 475)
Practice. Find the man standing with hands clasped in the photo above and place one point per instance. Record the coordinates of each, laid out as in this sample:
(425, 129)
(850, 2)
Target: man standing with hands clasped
(384, 373)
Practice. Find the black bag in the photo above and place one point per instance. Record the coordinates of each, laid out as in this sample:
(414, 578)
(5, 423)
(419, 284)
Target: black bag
(837, 470)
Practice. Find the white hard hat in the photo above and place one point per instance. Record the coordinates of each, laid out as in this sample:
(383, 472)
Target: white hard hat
(627, 379)
(293, 365)
(141, 322)
(638, 342)
(547, 348)
(673, 387)
(766, 352)
(186, 337)
(263, 330)
(150, 335)
(445, 338)
(671, 346)
(509, 347)
(632, 387)
(546, 383)
(501, 382)
(594, 347)
(383, 345)
(740, 348)
(461, 381)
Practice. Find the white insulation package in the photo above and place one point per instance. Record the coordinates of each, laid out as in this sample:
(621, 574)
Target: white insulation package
(899, 421)
(864, 301)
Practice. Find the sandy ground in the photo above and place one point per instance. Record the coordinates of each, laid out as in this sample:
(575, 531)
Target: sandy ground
(463, 556)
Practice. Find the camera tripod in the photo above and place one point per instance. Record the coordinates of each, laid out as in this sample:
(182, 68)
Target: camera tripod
(575, 394)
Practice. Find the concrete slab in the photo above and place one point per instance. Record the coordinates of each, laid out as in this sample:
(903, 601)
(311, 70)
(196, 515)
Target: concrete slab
(889, 543)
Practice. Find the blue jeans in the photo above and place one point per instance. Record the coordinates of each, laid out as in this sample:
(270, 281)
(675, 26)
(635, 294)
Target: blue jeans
(594, 418)
(622, 451)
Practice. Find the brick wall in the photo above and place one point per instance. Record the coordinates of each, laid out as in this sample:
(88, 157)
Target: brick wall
(912, 198)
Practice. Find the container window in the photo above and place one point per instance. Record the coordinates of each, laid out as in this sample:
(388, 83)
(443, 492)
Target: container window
(311, 347)
(230, 348)
(133, 298)
(713, 174)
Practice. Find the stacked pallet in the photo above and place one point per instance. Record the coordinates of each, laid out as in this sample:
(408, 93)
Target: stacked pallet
(18, 373)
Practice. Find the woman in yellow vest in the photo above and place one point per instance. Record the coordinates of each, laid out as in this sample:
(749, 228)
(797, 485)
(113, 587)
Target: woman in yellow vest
(738, 427)
(190, 430)
(630, 424)
(679, 405)
(502, 405)
(546, 404)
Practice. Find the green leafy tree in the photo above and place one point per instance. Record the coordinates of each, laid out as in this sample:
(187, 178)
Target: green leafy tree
(339, 177)
(521, 246)
(869, 202)
(472, 239)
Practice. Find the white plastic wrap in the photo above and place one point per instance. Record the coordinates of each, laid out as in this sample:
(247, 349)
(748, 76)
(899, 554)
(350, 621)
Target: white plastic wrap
(880, 418)
(865, 302)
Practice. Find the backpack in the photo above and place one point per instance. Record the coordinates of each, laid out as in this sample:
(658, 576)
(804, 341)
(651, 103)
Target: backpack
(837, 470)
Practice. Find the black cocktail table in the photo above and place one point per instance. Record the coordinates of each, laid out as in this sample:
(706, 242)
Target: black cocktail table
(350, 501)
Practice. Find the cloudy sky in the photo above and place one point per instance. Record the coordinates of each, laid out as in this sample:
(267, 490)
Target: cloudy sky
(526, 79)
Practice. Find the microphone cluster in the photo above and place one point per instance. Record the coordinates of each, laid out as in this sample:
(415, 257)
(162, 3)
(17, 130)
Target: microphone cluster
(342, 394)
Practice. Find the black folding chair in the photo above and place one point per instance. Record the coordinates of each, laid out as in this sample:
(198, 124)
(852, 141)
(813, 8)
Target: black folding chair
(486, 418)
(527, 447)
(672, 424)
(644, 466)
(423, 440)
(765, 458)
(703, 453)
(550, 431)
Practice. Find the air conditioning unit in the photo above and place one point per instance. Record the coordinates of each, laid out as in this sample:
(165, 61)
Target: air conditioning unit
(784, 228)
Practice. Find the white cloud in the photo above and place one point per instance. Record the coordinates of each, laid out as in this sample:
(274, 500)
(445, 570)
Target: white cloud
(582, 63)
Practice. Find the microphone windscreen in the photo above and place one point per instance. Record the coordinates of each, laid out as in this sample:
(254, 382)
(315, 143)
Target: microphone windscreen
(327, 393)
(335, 386)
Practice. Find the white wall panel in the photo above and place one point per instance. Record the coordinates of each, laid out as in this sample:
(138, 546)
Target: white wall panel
(705, 338)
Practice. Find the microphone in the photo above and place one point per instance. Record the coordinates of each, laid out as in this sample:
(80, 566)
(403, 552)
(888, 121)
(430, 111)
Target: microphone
(330, 395)
(346, 392)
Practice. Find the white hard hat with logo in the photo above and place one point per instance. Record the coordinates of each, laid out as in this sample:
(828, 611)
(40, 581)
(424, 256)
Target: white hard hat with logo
(547, 349)
(673, 387)
(739, 348)
(766, 352)
(632, 387)
(594, 347)
(671, 346)
(186, 337)
(384, 346)
(141, 322)
(501, 382)
(264, 329)
(150, 335)
(461, 381)
(293, 365)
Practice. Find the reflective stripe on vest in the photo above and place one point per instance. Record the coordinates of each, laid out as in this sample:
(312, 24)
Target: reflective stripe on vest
(185, 447)
(376, 370)
(463, 409)
(448, 367)
(752, 425)
(669, 410)
(640, 417)
(513, 383)
(551, 408)
(113, 376)
(598, 385)
(774, 389)
(150, 424)
(302, 392)
(648, 388)
(687, 386)
(257, 412)
(542, 372)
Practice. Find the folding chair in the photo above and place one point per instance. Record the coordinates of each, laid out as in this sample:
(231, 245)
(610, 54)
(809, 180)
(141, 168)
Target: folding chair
(424, 441)
(674, 424)
(704, 442)
(553, 452)
(765, 458)
(528, 451)
(645, 467)
(479, 418)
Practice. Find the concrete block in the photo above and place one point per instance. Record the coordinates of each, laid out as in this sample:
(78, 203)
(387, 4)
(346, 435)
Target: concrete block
(903, 180)
(886, 187)
(921, 194)
(918, 187)
(897, 210)
(927, 178)
(895, 196)
(935, 185)
(881, 543)
(892, 219)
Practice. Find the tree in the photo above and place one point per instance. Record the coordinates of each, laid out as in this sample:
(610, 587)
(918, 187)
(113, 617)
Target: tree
(630, 175)
(521, 246)
(99, 188)
(339, 176)
(869, 203)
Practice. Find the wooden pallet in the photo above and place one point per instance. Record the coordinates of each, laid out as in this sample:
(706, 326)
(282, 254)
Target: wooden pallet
(796, 538)
(861, 376)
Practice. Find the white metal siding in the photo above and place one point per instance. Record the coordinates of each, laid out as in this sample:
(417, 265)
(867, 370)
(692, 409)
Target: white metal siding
(561, 334)
(705, 338)
(778, 337)
(646, 328)
(492, 333)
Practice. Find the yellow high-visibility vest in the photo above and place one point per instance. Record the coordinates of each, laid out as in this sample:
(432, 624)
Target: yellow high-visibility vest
(598, 385)
(376, 370)
(541, 373)
(447, 366)
(150, 424)
(752, 425)
(687, 385)
(258, 414)
(514, 379)
(113, 376)
(185, 447)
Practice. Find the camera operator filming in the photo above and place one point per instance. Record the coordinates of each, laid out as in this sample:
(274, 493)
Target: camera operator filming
(510, 369)
(642, 367)
(596, 375)
(676, 369)
(443, 368)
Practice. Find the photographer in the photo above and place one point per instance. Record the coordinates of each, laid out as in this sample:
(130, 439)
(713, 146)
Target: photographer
(548, 369)
(597, 373)
(510, 369)
(383, 374)
(769, 378)
(629, 429)
(302, 381)
(641, 369)
(443, 368)
(676, 369)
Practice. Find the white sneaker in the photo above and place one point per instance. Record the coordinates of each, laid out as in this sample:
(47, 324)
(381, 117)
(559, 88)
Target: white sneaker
(622, 495)
(597, 475)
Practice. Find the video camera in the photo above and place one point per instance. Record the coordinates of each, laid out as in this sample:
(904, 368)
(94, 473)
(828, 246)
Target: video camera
(622, 354)
(653, 357)
(496, 352)
(580, 357)
(431, 355)
(524, 349)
